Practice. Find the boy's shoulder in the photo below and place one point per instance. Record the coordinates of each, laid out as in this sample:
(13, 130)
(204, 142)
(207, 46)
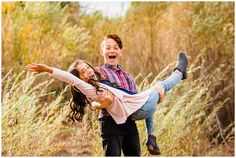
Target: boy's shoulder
(110, 68)
(107, 70)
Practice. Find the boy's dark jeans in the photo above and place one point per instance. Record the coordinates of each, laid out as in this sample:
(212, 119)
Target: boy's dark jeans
(116, 137)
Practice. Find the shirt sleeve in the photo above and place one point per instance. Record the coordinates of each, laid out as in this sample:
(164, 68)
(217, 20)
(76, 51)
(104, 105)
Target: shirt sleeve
(87, 89)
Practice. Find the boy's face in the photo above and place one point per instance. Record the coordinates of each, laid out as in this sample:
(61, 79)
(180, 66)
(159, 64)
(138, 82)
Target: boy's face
(111, 52)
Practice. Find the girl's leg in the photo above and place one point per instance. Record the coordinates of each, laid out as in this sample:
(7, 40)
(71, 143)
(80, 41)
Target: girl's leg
(171, 81)
(151, 139)
(148, 109)
(149, 125)
(146, 112)
(180, 73)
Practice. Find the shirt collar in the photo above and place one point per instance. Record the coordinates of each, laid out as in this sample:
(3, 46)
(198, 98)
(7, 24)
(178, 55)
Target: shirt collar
(113, 67)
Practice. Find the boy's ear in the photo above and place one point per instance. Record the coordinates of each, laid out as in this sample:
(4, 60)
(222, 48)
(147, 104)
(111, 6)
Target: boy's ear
(101, 53)
(121, 52)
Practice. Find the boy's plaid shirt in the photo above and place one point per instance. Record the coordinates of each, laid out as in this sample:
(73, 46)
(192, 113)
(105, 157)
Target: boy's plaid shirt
(118, 76)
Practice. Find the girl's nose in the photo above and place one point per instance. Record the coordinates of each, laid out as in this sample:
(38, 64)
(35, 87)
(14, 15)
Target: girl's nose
(90, 71)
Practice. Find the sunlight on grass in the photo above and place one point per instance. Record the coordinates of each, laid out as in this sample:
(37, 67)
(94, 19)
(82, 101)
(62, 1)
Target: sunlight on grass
(185, 122)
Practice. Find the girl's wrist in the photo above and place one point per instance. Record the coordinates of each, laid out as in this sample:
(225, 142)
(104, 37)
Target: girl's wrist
(48, 69)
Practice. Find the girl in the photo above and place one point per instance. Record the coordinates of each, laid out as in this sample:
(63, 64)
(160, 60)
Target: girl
(87, 87)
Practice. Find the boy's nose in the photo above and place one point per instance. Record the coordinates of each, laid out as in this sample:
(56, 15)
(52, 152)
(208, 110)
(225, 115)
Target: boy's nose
(112, 52)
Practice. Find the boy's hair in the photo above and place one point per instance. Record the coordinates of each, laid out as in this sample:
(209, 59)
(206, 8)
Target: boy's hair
(115, 37)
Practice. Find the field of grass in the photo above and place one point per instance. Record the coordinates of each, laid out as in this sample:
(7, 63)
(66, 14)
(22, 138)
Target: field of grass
(186, 122)
(196, 118)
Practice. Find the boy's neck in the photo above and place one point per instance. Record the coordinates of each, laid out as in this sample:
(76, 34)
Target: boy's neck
(112, 65)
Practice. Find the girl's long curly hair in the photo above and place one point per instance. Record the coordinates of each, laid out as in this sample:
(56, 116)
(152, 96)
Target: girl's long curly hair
(79, 100)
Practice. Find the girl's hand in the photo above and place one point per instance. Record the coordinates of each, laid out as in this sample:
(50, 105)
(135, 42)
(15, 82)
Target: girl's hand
(38, 68)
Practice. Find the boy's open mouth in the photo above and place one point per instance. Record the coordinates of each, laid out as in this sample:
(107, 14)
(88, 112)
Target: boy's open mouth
(112, 56)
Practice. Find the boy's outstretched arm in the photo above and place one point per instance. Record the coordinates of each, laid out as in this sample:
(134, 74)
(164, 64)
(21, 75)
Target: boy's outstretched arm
(38, 68)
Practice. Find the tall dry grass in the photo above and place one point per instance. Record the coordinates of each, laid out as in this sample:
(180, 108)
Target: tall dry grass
(186, 122)
(196, 117)
(31, 127)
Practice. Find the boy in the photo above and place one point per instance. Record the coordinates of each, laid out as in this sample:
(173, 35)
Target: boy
(125, 136)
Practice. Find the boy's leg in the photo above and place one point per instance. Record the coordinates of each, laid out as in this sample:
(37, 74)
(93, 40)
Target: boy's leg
(119, 137)
(112, 145)
(131, 145)
(131, 142)
(112, 136)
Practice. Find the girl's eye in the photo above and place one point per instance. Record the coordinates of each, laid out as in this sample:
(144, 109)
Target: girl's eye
(83, 71)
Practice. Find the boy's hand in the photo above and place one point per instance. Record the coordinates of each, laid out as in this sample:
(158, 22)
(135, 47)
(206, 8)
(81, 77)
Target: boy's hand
(161, 92)
(38, 68)
(106, 98)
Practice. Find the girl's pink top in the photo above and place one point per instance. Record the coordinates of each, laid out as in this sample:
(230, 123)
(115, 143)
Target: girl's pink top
(123, 104)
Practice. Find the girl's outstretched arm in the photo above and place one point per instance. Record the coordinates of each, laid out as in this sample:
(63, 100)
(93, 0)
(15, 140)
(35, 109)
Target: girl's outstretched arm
(105, 98)
(86, 88)
(38, 68)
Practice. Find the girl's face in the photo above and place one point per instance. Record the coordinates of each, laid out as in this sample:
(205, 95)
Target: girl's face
(111, 52)
(86, 72)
